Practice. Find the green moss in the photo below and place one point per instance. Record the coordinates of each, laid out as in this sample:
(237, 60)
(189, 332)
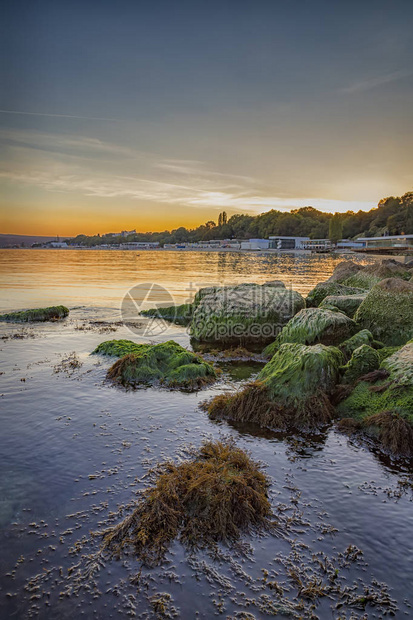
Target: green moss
(370, 275)
(385, 352)
(384, 400)
(314, 325)
(387, 312)
(364, 360)
(291, 390)
(166, 363)
(327, 289)
(345, 303)
(214, 497)
(52, 313)
(349, 346)
(181, 315)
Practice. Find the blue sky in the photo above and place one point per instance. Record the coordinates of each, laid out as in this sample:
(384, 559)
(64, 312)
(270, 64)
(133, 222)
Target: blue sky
(151, 115)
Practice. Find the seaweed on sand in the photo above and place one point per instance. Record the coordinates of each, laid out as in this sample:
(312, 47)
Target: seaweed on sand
(214, 497)
(53, 313)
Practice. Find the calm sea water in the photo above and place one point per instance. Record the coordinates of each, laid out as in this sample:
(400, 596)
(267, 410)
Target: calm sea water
(74, 450)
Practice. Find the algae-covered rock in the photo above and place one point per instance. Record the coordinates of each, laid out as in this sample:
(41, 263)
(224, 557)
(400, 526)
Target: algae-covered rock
(246, 313)
(387, 312)
(349, 346)
(327, 289)
(53, 313)
(166, 363)
(364, 360)
(290, 391)
(370, 275)
(314, 325)
(345, 303)
(181, 315)
(382, 402)
(344, 270)
(217, 495)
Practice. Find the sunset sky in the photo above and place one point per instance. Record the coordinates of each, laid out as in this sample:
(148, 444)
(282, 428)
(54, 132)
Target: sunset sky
(154, 115)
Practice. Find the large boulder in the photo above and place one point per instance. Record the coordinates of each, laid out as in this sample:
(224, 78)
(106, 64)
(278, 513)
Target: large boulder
(344, 270)
(326, 289)
(381, 403)
(387, 311)
(291, 390)
(370, 275)
(345, 303)
(313, 326)
(166, 364)
(246, 313)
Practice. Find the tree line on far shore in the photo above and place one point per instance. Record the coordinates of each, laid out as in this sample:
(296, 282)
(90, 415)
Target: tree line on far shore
(393, 216)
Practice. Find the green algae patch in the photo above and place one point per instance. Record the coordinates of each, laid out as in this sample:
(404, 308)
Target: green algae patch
(387, 312)
(53, 313)
(328, 289)
(313, 326)
(364, 359)
(291, 391)
(246, 313)
(167, 364)
(216, 496)
(180, 315)
(362, 337)
(348, 304)
(381, 402)
(370, 275)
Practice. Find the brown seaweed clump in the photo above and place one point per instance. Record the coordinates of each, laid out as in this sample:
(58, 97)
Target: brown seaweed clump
(392, 430)
(212, 498)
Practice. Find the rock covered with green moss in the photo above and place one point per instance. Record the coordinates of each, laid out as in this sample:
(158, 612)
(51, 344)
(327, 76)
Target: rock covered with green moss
(327, 289)
(344, 270)
(364, 359)
(290, 391)
(167, 364)
(370, 275)
(381, 404)
(312, 326)
(344, 303)
(52, 313)
(181, 315)
(387, 312)
(347, 347)
(246, 313)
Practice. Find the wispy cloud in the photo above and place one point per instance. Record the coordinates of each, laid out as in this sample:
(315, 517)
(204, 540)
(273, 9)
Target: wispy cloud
(90, 167)
(379, 80)
(85, 118)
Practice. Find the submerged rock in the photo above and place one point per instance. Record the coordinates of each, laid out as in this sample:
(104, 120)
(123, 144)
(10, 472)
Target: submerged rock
(246, 313)
(345, 303)
(53, 313)
(327, 289)
(181, 315)
(363, 360)
(370, 275)
(314, 325)
(290, 391)
(214, 497)
(166, 363)
(387, 311)
(381, 404)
